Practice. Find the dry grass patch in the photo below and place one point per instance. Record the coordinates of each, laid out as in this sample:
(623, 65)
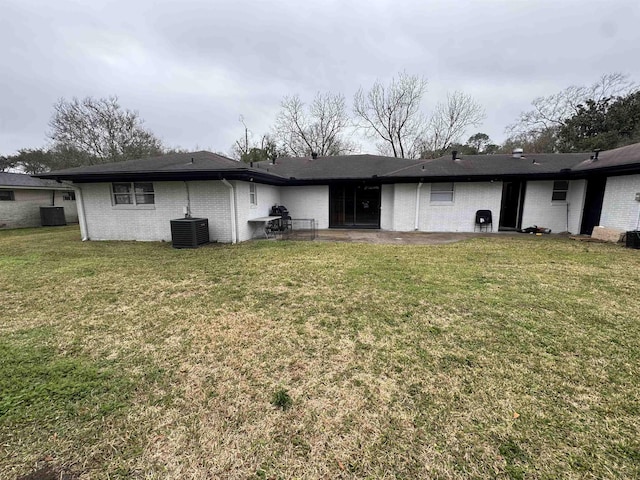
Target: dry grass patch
(502, 357)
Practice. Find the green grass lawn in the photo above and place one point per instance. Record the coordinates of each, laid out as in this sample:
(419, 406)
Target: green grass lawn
(508, 357)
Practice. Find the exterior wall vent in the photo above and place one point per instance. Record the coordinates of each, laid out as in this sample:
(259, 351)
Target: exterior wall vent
(189, 232)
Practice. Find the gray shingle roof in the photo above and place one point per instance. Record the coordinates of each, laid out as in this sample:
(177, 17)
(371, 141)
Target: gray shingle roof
(336, 167)
(611, 159)
(165, 163)
(21, 180)
(493, 165)
(203, 165)
(178, 166)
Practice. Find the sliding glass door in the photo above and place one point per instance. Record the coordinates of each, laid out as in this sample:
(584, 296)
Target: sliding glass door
(354, 206)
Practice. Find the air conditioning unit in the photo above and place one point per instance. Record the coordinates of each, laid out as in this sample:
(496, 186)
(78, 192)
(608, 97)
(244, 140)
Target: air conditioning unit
(52, 216)
(189, 232)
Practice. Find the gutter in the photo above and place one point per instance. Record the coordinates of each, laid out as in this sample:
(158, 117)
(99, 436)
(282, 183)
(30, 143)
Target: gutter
(417, 206)
(232, 202)
(82, 219)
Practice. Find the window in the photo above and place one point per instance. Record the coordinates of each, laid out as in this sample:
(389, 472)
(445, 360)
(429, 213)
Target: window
(253, 194)
(69, 196)
(7, 195)
(133, 194)
(560, 188)
(442, 192)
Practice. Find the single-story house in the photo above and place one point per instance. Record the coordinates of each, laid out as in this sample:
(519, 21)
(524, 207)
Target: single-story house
(572, 192)
(21, 197)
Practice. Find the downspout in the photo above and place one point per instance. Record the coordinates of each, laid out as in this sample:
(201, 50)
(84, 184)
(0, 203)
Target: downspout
(416, 225)
(82, 219)
(232, 202)
(187, 212)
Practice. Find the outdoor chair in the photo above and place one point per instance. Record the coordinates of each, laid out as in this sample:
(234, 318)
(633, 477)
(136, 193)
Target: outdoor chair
(483, 220)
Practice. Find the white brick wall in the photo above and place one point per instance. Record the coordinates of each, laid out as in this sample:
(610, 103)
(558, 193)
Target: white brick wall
(404, 206)
(209, 199)
(620, 210)
(267, 196)
(460, 216)
(399, 207)
(24, 210)
(541, 211)
(387, 207)
(307, 202)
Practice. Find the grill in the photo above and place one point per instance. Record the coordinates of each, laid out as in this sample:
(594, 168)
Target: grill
(284, 222)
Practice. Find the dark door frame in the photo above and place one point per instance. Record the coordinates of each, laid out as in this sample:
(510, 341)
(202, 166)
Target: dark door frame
(592, 209)
(508, 203)
(351, 189)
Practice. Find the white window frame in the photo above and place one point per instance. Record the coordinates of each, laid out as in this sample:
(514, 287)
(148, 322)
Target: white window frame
(253, 194)
(441, 193)
(133, 195)
(557, 190)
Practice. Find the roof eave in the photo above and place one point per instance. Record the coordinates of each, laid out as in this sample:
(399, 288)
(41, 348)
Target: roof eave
(244, 174)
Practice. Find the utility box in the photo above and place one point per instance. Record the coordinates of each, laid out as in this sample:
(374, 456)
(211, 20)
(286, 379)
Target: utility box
(189, 232)
(633, 239)
(52, 216)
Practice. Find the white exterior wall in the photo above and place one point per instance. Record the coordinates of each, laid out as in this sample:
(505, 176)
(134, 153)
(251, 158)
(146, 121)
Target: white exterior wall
(460, 215)
(456, 216)
(620, 209)
(307, 202)
(24, 210)
(267, 196)
(105, 221)
(387, 207)
(541, 211)
(404, 206)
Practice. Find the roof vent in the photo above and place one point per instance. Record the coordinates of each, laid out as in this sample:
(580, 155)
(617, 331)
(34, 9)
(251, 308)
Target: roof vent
(314, 155)
(454, 155)
(596, 152)
(517, 152)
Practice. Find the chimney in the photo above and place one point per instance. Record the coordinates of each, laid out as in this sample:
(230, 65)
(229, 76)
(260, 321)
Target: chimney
(596, 152)
(314, 155)
(454, 154)
(517, 152)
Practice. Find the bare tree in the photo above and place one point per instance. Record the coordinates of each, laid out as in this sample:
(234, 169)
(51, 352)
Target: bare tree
(320, 128)
(243, 144)
(450, 120)
(247, 149)
(99, 131)
(550, 113)
(8, 163)
(391, 114)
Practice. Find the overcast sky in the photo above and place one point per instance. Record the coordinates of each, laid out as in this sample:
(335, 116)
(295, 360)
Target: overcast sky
(190, 68)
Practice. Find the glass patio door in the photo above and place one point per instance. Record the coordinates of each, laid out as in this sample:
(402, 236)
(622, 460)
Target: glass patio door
(354, 206)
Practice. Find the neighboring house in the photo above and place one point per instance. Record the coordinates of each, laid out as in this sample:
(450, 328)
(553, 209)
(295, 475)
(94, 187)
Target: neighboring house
(21, 197)
(135, 200)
